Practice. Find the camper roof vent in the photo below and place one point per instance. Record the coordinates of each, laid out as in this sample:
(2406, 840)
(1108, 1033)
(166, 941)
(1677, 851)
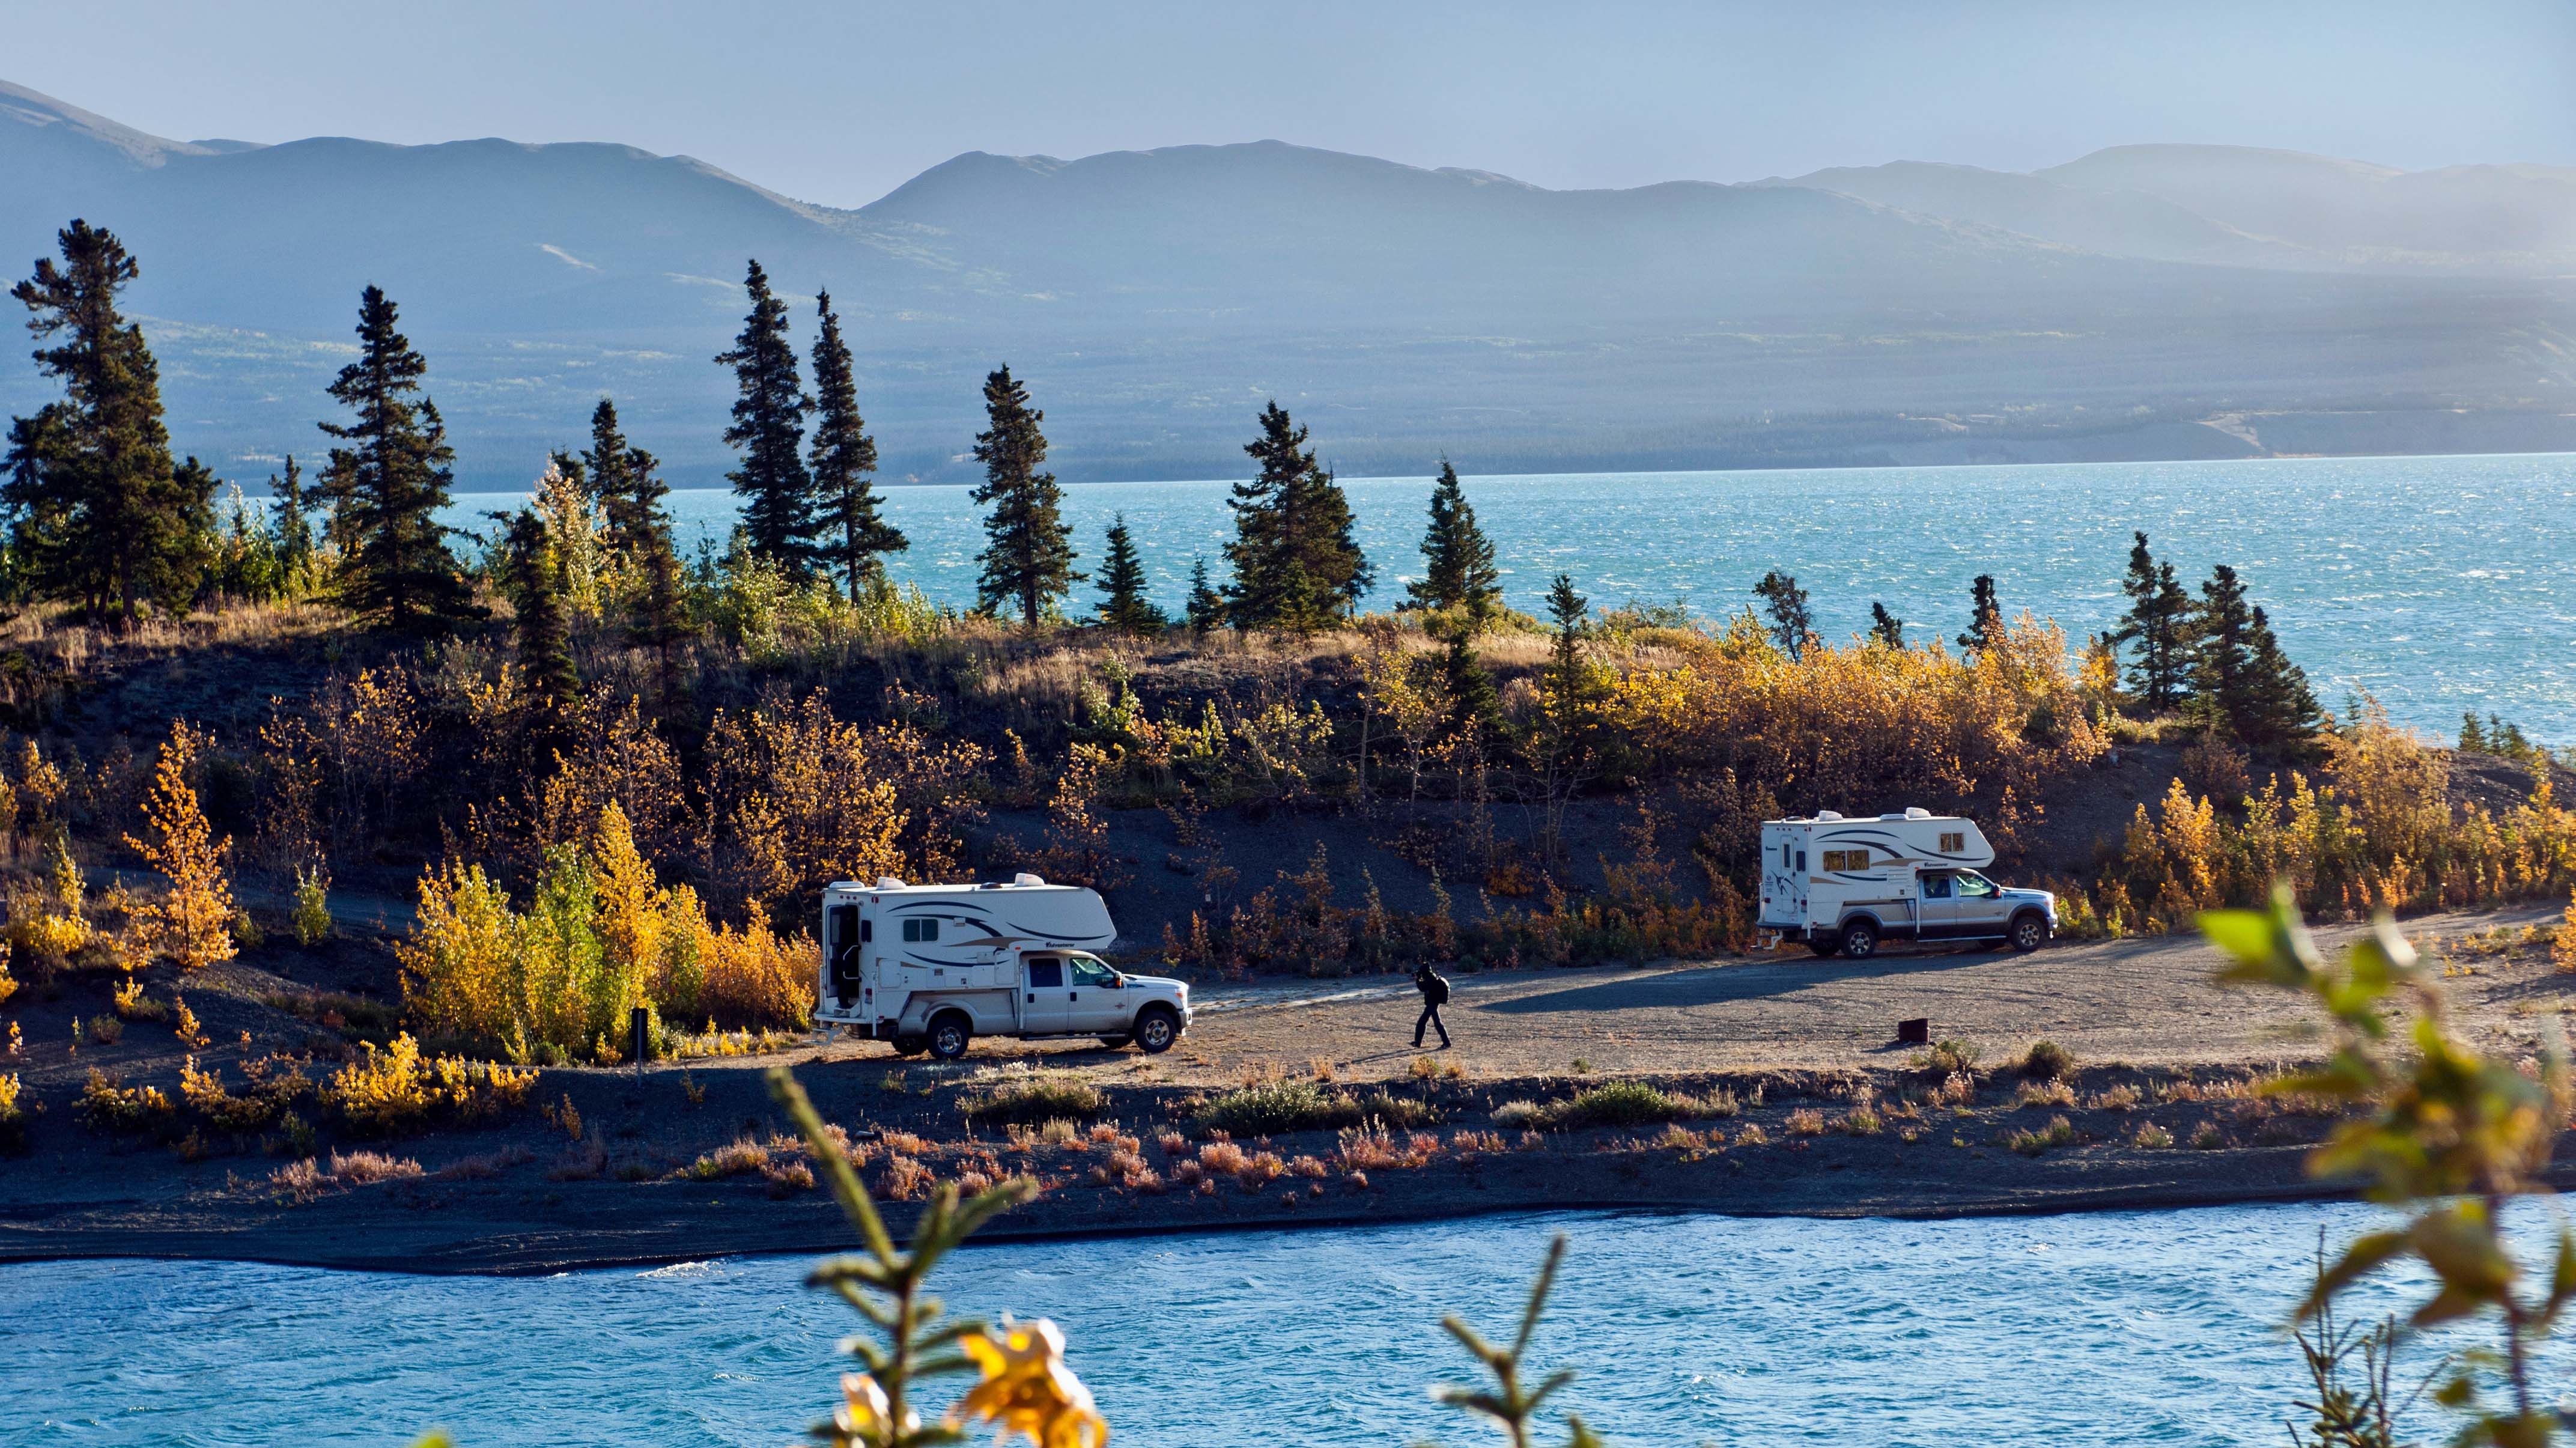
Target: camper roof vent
(1918, 814)
(1891, 816)
(1826, 816)
(888, 882)
(1025, 878)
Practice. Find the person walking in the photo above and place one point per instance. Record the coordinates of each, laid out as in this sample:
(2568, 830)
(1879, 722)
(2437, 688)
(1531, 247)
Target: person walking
(1435, 994)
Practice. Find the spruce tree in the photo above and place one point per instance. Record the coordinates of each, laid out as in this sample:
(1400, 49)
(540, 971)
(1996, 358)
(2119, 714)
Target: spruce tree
(1297, 564)
(2280, 709)
(627, 482)
(1985, 617)
(1206, 605)
(2223, 626)
(293, 521)
(1885, 629)
(387, 487)
(853, 538)
(2473, 738)
(1472, 696)
(1793, 623)
(104, 517)
(1028, 561)
(1458, 559)
(543, 640)
(1123, 605)
(778, 522)
(2158, 623)
(1570, 691)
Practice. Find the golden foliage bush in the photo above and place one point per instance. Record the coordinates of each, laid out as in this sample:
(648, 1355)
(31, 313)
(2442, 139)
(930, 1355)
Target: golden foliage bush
(397, 1089)
(599, 938)
(2382, 835)
(192, 923)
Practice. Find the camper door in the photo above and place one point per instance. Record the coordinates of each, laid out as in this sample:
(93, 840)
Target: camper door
(1784, 878)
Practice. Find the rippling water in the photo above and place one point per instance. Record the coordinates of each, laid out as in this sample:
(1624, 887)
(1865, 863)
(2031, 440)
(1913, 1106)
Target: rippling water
(2108, 1329)
(2436, 584)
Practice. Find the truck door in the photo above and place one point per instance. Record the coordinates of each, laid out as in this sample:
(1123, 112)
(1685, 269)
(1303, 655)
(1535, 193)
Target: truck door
(1095, 997)
(1046, 1002)
(1981, 906)
(1936, 907)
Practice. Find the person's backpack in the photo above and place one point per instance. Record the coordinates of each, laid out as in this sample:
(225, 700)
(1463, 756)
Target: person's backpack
(1435, 988)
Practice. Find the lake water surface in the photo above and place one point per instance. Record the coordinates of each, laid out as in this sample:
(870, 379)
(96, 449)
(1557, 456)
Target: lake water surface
(2108, 1329)
(2435, 584)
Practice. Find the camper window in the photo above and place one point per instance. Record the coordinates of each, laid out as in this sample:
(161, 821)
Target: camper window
(1954, 842)
(1846, 859)
(916, 932)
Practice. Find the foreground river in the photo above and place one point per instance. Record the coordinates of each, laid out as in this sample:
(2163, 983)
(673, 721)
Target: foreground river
(2104, 1329)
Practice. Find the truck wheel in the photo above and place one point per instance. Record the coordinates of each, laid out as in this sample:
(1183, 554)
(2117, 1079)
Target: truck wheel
(1156, 1029)
(949, 1035)
(910, 1045)
(2029, 932)
(1860, 940)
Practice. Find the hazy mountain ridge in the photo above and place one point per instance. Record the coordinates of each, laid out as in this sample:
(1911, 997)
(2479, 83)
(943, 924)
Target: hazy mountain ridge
(1155, 298)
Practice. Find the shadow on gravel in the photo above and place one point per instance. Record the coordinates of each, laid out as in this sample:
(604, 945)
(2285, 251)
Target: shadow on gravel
(1719, 984)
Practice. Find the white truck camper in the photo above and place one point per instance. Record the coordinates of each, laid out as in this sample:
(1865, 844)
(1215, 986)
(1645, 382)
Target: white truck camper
(1847, 884)
(931, 967)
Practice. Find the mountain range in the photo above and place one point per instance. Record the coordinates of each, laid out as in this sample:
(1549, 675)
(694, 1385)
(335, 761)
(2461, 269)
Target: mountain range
(2144, 301)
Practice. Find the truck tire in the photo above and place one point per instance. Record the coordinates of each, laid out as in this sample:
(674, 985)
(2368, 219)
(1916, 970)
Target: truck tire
(910, 1045)
(2029, 931)
(1157, 1029)
(1860, 940)
(950, 1031)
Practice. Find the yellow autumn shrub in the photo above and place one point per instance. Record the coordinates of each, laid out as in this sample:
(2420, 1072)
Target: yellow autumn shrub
(395, 1089)
(191, 924)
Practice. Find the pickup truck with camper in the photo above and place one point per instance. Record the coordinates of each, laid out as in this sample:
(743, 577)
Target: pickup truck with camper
(931, 967)
(1848, 884)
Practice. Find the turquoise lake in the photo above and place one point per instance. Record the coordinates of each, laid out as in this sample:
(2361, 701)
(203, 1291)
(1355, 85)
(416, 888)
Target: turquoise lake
(2126, 1328)
(2433, 584)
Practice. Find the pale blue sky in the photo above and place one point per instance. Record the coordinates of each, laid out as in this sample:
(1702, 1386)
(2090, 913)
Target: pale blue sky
(838, 103)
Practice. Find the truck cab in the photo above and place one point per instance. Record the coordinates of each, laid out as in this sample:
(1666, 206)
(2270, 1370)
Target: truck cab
(930, 967)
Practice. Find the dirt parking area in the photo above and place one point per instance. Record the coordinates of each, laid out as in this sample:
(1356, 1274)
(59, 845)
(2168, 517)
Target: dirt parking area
(2144, 1002)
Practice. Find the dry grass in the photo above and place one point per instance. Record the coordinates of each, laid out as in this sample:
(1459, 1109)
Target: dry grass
(365, 1168)
(2151, 1137)
(2119, 1098)
(2036, 1094)
(1805, 1121)
(739, 1158)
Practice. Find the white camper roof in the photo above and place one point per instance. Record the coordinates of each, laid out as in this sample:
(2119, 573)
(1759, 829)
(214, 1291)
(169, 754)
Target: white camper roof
(888, 885)
(1830, 817)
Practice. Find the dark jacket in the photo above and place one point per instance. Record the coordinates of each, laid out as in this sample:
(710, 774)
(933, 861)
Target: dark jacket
(1433, 985)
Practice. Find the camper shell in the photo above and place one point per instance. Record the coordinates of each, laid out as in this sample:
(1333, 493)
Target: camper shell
(930, 967)
(1847, 884)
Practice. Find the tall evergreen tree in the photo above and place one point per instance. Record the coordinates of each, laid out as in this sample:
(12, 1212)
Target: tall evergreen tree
(2280, 708)
(1985, 616)
(293, 521)
(1793, 623)
(1458, 559)
(1297, 564)
(1885, 629)
(853, 539)
(778, 521)
(1123, 605)
(1473, 698)
(1571, 691)
(2473, 737)
(1028, 560)
(626, 480)
(2223, 627)
(103, 516)
(2158, 625)
(387, 487)
(539, 631)
(1206, 605)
